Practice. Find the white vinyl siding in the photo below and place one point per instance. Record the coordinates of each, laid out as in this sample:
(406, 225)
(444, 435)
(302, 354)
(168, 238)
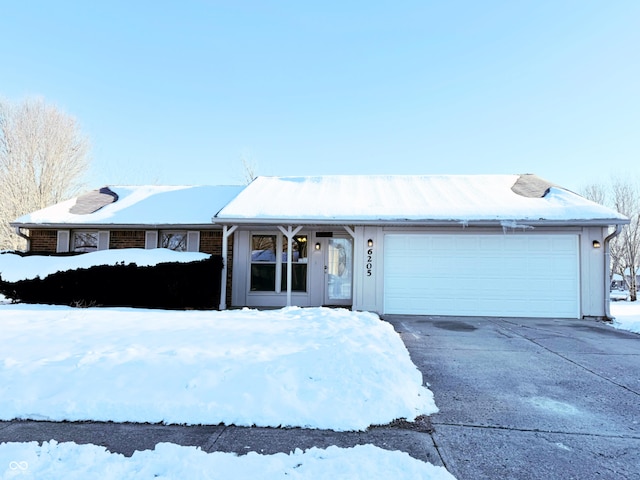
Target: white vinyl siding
(63, 241)
(193, 241)
(103, 240)
(150, 239)
(520, 275)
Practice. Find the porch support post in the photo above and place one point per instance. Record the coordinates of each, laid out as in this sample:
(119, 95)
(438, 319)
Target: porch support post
(289, 233)
(350, 231)
(226, 232)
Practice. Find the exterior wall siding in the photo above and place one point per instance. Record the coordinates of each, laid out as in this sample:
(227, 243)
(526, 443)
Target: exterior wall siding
(126, 239)
(368, 289)
(43, 241)
(595, 279)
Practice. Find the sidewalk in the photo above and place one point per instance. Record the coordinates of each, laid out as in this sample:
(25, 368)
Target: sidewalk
(125, 438)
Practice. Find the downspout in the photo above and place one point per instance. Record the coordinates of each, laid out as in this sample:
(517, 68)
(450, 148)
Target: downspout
(18, 232)
(607, 279)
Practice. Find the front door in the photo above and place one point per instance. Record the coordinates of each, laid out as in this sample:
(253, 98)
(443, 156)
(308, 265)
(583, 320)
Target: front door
(338, 271)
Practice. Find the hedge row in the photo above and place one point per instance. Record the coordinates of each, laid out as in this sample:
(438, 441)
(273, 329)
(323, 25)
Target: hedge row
(167, 285)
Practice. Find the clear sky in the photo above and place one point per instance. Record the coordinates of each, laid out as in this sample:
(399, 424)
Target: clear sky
(178, 92)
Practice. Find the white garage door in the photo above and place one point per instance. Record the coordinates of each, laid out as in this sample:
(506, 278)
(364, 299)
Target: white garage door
(498, 275)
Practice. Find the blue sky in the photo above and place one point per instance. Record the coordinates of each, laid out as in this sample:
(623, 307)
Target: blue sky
(179, 92)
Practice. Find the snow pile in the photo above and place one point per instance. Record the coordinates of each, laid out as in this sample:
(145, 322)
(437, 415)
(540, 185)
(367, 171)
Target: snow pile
(53, 461)
(14, 268)
(627, 316)
(313, 367)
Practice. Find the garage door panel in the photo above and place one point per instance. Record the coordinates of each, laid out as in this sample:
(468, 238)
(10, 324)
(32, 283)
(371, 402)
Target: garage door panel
(486, 275)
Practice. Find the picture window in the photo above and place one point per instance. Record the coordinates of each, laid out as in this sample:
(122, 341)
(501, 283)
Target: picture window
(85, 241)
(265, 263)
(173, 240)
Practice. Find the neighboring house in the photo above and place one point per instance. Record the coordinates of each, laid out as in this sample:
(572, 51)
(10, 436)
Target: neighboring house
(464, 245)
(617, 282)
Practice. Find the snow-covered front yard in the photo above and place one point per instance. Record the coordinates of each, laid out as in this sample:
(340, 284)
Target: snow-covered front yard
(627, 315)
(313, 367)
(294, 367)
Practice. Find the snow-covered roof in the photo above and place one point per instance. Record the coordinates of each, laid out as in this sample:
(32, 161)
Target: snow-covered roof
(138, 205)
(415, 198)
(353, 199)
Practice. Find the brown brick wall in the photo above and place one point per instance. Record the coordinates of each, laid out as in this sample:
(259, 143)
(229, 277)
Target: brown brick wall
(211, 242)
(43, 241)
(126, 239)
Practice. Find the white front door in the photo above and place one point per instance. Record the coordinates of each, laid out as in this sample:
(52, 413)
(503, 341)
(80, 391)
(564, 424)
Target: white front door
(338, 271)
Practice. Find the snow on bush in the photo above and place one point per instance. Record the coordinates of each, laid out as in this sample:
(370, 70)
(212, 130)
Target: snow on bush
(14, 268)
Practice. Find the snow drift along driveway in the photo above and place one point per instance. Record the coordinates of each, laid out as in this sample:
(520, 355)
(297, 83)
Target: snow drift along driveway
(315, 367)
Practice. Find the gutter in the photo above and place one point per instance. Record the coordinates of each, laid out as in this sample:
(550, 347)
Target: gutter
(18, 232)
(114, 226)
(501, 223)
(607, 279)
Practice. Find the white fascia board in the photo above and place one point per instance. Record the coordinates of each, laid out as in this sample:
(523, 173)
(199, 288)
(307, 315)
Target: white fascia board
(422, 223)
(113, 226)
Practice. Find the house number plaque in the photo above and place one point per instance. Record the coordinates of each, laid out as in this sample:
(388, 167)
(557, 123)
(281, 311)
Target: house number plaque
(369, 262)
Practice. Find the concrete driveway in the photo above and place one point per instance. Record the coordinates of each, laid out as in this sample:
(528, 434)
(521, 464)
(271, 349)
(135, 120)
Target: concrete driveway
(530, 398)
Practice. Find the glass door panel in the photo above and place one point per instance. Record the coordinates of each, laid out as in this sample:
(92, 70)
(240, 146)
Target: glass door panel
(339, 270)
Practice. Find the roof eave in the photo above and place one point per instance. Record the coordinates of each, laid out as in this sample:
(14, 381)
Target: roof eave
(116, 226)
(426, 222)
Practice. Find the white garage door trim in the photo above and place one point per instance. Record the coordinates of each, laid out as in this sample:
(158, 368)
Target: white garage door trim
(500, 275)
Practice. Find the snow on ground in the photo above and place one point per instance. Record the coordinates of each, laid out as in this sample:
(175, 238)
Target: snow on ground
(53, 461)
(627, 315)
(14, 268)
(314, 367)
(306, 367)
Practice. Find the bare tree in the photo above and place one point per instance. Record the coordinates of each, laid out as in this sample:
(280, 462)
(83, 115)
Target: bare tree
(595, 192)
(43, 157)
(626, 246)
(249, 169)
(623, 194)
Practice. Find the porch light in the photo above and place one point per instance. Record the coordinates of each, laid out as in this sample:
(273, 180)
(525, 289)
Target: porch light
(318, 246)
(370, 242)
(596, 244)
